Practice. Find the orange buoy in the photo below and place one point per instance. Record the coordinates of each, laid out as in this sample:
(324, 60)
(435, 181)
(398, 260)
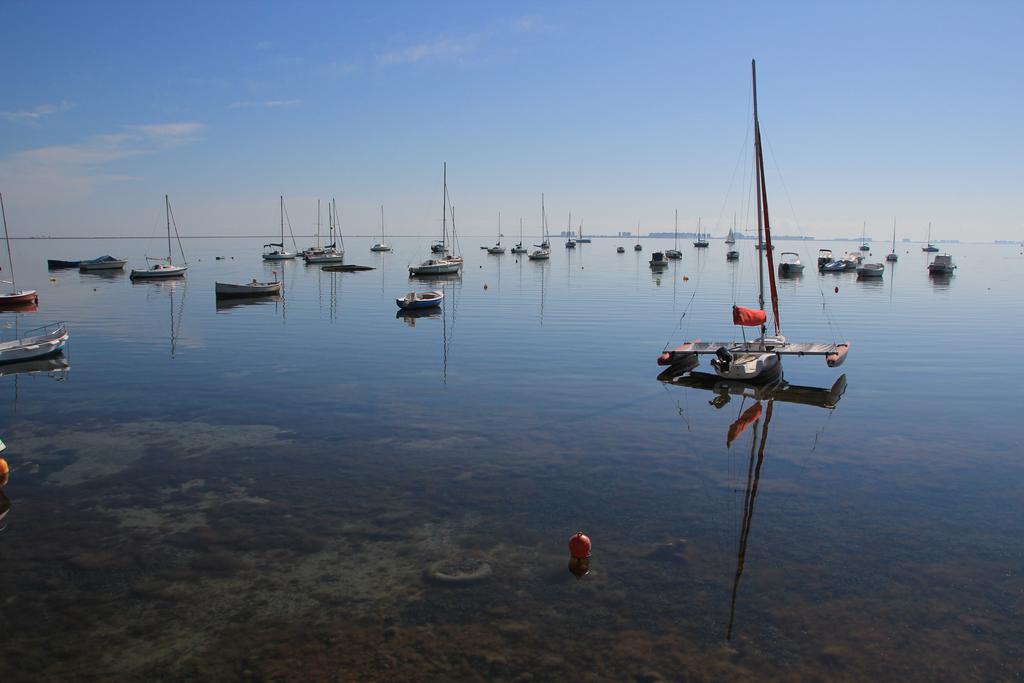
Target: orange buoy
(3, 471)
(579, 545)
(686, 278)
(485, 286)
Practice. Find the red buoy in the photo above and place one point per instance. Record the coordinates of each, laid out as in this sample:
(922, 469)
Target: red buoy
(579, 545)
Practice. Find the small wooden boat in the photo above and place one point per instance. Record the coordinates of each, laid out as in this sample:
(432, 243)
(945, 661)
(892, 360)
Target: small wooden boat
(254, 288)
(52, 340)
(870, 270)
(56, 264)
(345, 268)
(107, 262)
(416, 300)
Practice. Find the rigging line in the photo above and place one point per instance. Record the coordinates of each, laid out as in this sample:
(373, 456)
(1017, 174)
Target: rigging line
(176, 235)
(732, 179)
(288, 220)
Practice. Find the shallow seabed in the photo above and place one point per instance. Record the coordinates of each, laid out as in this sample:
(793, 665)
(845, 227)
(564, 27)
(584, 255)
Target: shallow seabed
(286, 490)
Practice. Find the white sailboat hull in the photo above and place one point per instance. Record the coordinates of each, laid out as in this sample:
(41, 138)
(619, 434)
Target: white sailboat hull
(27, 348)
(436, 267)
(225, 289)
(159, 273)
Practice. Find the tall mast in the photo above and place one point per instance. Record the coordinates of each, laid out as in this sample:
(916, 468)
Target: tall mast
(167, 209)
(7, 238)
(382, 224)
(569, 226)
(318, 223)
(444, 206)
(763, 209)
(282, 222)
(894, 234)
(675, 230)
(499, 227)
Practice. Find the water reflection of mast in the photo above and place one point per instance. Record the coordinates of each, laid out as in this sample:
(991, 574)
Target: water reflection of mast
(749, 498)
(181, 311)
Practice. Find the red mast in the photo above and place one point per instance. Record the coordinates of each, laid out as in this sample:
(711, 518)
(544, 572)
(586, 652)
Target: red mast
(763, 200)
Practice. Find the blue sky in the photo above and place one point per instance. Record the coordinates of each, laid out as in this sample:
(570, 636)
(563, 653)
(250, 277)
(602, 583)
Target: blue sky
(619, 112)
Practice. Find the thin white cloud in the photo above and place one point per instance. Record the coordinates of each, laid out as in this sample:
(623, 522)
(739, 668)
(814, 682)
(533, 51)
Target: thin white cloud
(532, 24)
(267, 104)
(76, 169)
(36, 113)
(438, 49)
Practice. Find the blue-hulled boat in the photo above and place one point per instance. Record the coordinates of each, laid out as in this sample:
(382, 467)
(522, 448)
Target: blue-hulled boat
(415, 300)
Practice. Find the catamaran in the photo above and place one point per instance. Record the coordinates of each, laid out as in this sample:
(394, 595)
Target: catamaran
(543, 250)
(279, 254)
(497, 249)
(331, 253)
(701, 242)
(759, 359)
(382, 245)
(447, 264)
(674, 252)
(892, 257)
(160, 269)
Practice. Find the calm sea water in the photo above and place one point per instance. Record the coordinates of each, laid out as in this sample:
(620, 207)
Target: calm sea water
(277, 490)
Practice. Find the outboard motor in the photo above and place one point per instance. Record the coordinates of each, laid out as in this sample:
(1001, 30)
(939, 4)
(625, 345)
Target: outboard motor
(722, 359)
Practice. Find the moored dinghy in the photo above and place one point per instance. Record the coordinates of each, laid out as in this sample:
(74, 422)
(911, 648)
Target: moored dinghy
(50, 340)
(757, 360)
(107, 262)
(418, 300)
(866, 270)
(791, 264)
(254, 288)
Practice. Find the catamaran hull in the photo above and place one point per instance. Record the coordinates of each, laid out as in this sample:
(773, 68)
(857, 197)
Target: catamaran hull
(748, 367)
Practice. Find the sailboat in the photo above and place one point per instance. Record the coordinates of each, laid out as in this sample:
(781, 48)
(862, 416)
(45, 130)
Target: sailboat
(701, 242)
(569, 243)
(279, 254)
(580, 239)
(519, 248)
(731, 237)
(160, 270)
(543, 250)
(330, 253)
(382, 245)
(637, 247)
(759, 359)
(497, 248)
(864, 246)
(16, 297)
(674, 253)
(446, 264)
(892, 257)
(928, 245)
(310, 251)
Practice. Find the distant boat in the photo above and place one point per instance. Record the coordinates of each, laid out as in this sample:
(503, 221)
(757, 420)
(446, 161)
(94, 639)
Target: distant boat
(497, 249)
(569, 243)
(928, 245)
(543, 250)
(863, 238)
(620, 250)
(309, 251)
(674, 252)
(254, 288)
(757, 360)
(330, 253)
(732, 255)
(416, 300)
(382, 245)
(870, 270)
(161, 270)
(519, 248)
(16, 297)
(446, 264)
(279, 254)
(55, 264)
(942, 265)
(637, 247)
(892, 257)
(701, 242)
(731, 237)
(658, 261)
(103, 263)
(790, 264)
(345, 268)
(581, 239)
(824, 256)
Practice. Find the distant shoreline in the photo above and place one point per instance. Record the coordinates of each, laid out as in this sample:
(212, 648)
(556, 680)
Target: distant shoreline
(658, 236)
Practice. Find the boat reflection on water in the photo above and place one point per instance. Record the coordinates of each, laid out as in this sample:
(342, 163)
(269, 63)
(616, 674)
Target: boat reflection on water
(55, 367)
(757, 418)
(410, 315)
(228, 304)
